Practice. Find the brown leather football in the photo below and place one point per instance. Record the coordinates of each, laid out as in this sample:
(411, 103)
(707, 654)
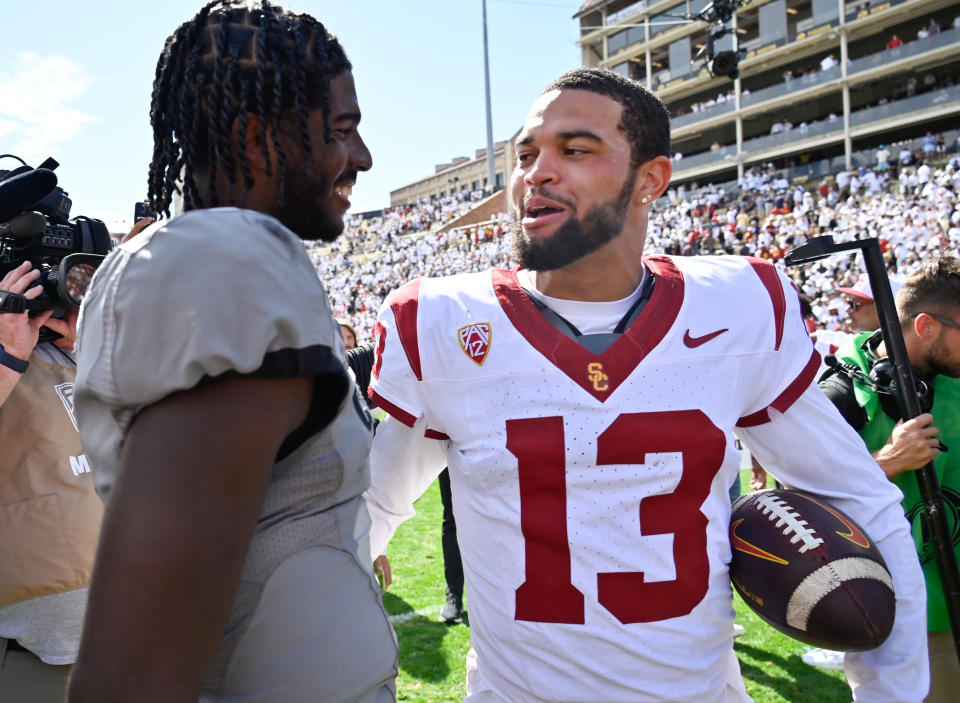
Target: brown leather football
(810, 571)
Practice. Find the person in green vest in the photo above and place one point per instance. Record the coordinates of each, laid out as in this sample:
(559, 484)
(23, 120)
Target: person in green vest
(928, 306)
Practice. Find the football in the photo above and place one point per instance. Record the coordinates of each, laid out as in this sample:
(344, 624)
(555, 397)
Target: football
(810, 571)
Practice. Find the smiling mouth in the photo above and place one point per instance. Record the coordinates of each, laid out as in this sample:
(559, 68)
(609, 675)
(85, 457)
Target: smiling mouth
(344, 190)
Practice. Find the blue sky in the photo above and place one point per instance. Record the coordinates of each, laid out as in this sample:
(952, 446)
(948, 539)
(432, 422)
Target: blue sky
(75, 82)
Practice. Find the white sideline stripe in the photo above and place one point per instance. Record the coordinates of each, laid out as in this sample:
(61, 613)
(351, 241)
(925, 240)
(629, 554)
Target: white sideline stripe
(827, 578)
(414, 614)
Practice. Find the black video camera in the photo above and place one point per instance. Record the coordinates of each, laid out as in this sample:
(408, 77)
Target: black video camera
(35, 226)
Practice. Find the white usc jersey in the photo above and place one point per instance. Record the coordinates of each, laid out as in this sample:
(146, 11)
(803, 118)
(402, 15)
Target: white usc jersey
(591, 491)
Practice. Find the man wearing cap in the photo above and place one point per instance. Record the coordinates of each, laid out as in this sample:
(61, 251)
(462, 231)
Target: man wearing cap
(863, 309)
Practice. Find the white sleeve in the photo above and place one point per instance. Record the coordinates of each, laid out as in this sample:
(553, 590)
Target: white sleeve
(403, 464)
(406, 456)
(810, 447)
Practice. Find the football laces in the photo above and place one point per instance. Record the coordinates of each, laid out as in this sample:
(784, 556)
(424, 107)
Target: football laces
(788, 520)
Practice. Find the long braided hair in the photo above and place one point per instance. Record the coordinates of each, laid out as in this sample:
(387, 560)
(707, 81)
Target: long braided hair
(232, 58)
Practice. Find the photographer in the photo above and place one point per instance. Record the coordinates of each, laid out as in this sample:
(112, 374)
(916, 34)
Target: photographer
(49, 511)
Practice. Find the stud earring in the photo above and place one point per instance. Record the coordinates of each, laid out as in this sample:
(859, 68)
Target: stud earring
(645, 199)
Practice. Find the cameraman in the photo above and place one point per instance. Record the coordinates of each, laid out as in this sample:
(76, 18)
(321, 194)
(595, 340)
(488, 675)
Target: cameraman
(50, 513)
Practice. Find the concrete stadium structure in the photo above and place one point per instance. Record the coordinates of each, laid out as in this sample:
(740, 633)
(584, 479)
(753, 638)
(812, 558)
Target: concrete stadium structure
(823, 67)
(820, 69)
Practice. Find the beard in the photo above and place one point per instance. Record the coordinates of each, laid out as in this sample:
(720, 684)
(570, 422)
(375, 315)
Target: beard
(939, 361)
(302, 210)
(576, 237)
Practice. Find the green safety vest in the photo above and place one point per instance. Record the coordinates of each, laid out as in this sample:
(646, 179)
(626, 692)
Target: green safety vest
(946, 417)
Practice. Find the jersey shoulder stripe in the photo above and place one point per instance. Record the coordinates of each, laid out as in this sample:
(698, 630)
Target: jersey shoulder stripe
(405, 302)
(771, 281)
(789, 395)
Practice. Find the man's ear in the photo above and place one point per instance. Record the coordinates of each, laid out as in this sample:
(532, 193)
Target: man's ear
(261, 160)
(926, 327)
(653, 177)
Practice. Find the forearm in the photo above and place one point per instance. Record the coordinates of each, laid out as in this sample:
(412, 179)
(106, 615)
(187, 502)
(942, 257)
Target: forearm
(8, 381)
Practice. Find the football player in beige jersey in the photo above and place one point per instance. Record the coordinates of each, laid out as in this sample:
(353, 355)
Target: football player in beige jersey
(230, 442)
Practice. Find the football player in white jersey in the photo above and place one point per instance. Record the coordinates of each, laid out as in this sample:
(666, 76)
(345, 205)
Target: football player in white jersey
(586, 404)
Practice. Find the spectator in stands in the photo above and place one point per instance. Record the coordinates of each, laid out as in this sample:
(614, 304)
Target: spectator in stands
(828, 62)
(861, 306)
(933, 28)
(906, 155)
(883, 158)
(894, 42)
(348, 333)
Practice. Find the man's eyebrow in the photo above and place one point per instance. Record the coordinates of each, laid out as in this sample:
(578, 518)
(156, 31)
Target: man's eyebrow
(347, 117)
(526, 140)
(580, 134)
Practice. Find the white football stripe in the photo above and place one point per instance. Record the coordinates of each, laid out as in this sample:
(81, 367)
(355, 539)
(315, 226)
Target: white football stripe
(827, 578)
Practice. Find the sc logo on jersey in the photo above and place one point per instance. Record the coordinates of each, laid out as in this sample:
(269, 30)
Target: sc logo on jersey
(597, 377)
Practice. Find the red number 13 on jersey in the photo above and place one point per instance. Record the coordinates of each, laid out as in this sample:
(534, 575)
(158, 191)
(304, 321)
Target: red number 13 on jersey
(547, 594)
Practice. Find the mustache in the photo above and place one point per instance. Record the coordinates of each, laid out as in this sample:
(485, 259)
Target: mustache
(347, 176)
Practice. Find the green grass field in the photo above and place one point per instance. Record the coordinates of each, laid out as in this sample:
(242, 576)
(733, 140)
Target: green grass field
(432, 653)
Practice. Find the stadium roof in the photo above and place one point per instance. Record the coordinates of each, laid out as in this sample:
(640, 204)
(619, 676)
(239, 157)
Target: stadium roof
(590, 5)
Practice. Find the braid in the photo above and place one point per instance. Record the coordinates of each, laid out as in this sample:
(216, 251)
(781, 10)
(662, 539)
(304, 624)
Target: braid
(276, 110)
(300, 92)
(320, 51)
(263, 53)
(195, 79)
(236, 57)
(242, 138)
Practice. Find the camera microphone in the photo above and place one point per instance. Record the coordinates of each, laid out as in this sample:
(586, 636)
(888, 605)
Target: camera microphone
(23, 191)
(24, 226)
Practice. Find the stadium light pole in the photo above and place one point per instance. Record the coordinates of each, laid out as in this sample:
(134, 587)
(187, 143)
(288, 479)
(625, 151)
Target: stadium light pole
(486, 77)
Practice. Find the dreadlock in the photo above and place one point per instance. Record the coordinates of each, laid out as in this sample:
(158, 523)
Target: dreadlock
(232, 58)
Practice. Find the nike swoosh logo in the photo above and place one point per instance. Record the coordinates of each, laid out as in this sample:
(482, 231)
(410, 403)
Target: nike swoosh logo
(694, 342)
(853, 533)
(742, 545)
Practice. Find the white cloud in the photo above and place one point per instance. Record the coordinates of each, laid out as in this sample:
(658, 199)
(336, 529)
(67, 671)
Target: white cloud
(35, 96)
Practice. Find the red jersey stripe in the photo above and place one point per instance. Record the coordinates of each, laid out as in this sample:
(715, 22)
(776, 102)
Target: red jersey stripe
(404, 302)
(789, 395)
(384, 404)
(771, 281)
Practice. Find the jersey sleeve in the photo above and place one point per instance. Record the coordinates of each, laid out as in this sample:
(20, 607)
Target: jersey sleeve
(406, 455)
(403, 464)
(810, 447)
(395, 384)
(210, 294)
(787, 363)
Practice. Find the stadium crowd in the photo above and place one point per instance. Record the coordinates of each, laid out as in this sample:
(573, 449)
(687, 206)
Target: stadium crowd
(914, 214)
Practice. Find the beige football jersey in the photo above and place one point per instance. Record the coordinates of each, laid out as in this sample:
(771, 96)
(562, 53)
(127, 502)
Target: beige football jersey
(231, 291)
